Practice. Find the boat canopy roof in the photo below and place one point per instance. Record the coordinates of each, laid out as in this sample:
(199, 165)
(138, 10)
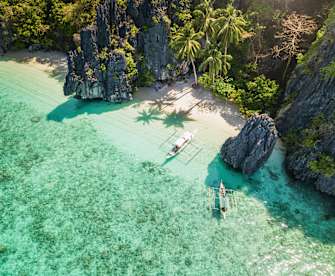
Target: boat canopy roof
(187, 136)
(180, 142)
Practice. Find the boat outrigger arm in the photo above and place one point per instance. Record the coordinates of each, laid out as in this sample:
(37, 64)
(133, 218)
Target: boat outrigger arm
(180, 144)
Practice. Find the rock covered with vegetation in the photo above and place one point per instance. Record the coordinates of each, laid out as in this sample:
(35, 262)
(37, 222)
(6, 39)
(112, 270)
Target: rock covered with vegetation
(252, 147)
(95, 70)
(154, 43)
(127, 38)
(309, 113)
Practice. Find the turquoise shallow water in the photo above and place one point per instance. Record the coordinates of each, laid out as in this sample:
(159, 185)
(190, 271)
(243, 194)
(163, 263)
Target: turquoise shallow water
(84, 190)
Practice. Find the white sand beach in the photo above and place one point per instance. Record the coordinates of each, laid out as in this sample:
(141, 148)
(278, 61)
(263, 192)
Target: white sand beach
(217, 115)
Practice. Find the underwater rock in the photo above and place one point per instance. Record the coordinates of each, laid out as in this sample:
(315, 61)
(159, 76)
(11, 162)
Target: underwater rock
(252, 147)
(3, 249)
(309, 114)
(35, 119)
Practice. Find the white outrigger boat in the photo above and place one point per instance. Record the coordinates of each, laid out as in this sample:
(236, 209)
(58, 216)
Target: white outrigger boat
(180, 144)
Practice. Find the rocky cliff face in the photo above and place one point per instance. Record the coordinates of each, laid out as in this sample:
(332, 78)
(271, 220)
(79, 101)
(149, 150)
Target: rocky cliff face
(92, 76)
(98, 69)
(154, 44)
(5, 38)
(308, 119)
(253, 146)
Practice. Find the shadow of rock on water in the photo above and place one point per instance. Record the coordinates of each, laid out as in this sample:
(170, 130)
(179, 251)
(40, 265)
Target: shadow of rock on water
(74, 107)
(290, 205)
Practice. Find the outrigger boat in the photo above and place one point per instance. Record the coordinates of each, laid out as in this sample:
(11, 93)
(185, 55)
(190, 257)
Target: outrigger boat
(180, 144)
(224, 200)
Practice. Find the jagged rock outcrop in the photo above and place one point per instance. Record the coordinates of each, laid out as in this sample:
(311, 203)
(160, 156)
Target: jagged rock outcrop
(95, 70)
(5, 38)
(154, 43)
(252, 147)
(308, 117)
(99, 70)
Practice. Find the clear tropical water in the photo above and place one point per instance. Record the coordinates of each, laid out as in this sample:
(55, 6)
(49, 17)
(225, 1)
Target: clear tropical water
(84, 190)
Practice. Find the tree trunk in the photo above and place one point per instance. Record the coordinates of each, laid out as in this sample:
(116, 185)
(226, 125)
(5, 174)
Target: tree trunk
(286, 68)
(194, 72)
(225, 58)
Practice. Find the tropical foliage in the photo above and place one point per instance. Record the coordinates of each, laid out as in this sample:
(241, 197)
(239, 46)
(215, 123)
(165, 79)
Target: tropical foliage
(205, 18)
(255, 96)
(50, 23)
(185, 42)
(211, 39)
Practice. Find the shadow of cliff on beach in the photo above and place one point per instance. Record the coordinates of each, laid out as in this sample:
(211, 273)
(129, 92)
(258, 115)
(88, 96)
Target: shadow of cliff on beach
(291, 205)
(74, 107)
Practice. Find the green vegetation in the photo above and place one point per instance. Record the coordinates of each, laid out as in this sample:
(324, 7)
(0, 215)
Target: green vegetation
(329, 70)
(216, 39)
(320, 35)
(205, 17)
(211, 36)
(185, 41)
(131, 70)
(50, 23)
(214, 61)
(261, 95)
(324, 164)
(231, 27)
(319, 127)
(255, 96)
(145, 78)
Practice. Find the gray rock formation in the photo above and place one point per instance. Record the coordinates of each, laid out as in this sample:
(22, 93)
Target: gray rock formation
(252, 147)
(96, 70)
(3, 44)
(310, 95)
(154, 44)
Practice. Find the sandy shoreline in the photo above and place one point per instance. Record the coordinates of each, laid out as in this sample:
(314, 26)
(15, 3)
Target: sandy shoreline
(210, 112)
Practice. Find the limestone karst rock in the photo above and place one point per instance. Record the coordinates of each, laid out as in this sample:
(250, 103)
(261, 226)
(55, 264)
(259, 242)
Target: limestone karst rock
(308, 116)
(252, 147)
(98, 69)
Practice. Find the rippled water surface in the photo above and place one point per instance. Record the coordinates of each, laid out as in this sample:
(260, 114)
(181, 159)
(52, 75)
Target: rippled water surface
(85, 190)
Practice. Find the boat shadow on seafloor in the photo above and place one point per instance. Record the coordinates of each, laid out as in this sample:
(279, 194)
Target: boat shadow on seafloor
(74, 107)
(291, 205)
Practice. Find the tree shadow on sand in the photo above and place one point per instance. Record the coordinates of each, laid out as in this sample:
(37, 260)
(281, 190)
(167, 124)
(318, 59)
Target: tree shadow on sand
(291, 204)
(148, 116)
(74, 107)
(177, 119)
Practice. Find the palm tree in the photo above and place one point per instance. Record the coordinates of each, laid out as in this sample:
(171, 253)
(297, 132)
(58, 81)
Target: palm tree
(205, 16)
(231, 27)
(215, 61)
(186, 43)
